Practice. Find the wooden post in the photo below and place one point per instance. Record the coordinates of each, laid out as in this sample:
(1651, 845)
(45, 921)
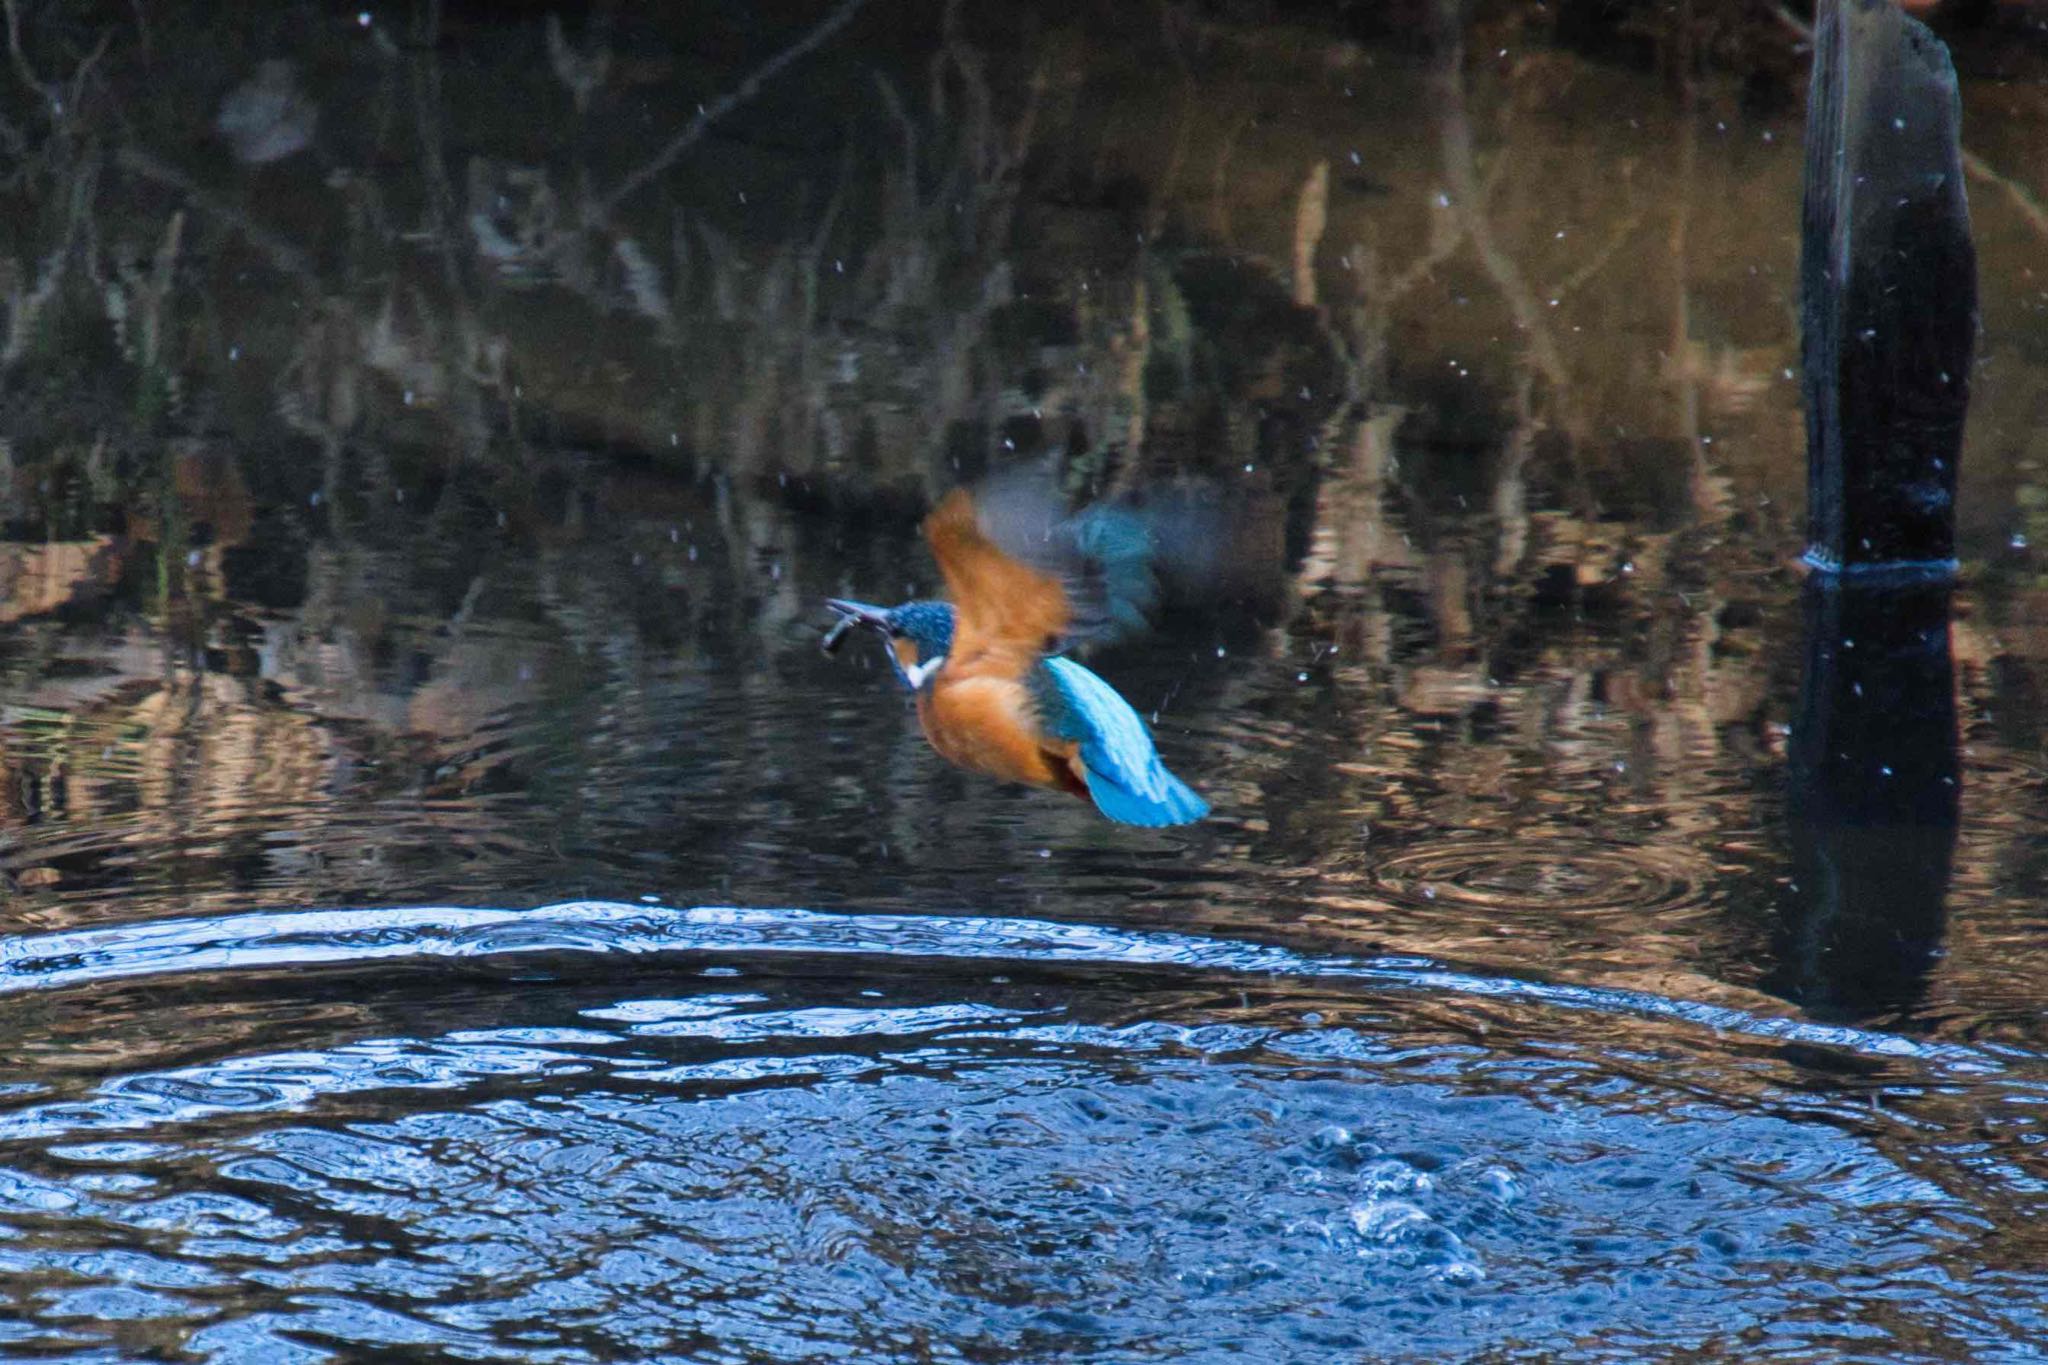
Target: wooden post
(1888, 321)
(1888, 294)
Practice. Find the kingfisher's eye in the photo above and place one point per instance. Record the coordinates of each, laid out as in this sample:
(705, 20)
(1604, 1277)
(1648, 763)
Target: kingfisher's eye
(897, 632)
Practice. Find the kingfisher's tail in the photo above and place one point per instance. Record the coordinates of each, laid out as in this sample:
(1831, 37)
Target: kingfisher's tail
(1164, 799)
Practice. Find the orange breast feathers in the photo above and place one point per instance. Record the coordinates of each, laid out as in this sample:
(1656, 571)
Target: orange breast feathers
(978, 711)
(987, 724)
(1004, 612)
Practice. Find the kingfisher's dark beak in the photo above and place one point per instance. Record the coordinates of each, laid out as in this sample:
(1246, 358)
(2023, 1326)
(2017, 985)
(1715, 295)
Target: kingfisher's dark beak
(852, 614)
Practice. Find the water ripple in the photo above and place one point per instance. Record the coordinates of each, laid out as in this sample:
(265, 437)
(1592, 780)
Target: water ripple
(959, 1192)
(333, 937)
(1571, 875)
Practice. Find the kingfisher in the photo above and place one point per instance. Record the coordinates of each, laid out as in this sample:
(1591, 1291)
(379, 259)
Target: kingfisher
(995, 693)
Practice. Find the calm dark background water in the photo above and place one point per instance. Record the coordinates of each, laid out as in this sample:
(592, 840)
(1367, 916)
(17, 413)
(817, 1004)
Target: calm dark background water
(419, 488)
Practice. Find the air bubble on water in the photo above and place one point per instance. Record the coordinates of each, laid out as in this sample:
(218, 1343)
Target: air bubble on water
(1315, 1227)
(1387, 1220)
(362, 18)
(1500, 1182)
(2018, 541)
(234, 353)
(1390, 1175)
(650, 900)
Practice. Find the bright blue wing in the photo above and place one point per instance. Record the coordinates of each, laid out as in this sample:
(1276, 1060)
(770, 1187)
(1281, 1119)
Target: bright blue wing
(1123, 770)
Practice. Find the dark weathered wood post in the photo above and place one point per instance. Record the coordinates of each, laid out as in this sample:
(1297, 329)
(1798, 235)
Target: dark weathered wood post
(1888, 314)
(1888, 293)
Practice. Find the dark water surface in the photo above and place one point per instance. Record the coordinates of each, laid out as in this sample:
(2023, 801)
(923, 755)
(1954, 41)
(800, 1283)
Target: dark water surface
(450, 909)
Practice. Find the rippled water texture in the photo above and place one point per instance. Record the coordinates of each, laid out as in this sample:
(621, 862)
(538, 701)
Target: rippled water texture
(451, 909)
(789, 1139)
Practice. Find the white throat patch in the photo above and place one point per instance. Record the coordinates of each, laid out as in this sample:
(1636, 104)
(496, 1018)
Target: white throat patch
(919, 674)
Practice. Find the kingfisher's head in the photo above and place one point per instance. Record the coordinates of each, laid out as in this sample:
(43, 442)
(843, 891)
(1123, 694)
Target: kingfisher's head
(918, 634)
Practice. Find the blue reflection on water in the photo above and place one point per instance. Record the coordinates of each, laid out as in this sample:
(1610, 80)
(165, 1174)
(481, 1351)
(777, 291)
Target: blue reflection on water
(927, 1167)
(317, 937)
